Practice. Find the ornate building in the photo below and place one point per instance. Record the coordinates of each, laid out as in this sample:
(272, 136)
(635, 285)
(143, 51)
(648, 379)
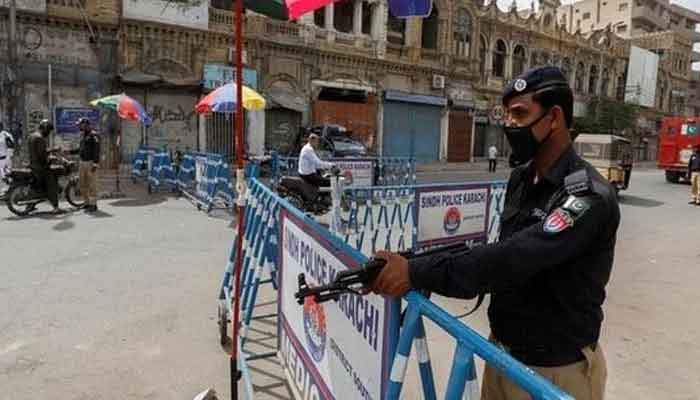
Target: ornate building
(423, 87)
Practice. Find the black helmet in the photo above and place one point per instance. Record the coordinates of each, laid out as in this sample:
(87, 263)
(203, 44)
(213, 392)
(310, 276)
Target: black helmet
(45, 127)
(82, 121)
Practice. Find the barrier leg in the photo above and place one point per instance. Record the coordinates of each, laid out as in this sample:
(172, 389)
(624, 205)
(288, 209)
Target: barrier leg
(424, 367)
(403, 352)
(463, 370)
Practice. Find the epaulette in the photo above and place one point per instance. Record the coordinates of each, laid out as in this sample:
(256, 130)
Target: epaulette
(578, 183)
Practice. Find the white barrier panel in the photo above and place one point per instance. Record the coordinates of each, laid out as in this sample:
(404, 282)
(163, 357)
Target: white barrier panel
(362, 171)
(451, 213)
(333, 350)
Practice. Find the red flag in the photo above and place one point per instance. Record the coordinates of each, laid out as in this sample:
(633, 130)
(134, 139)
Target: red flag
(297, 8)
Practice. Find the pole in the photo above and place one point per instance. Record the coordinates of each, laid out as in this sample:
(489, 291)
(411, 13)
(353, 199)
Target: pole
(51, 113)
(241, 188)
(12, 66)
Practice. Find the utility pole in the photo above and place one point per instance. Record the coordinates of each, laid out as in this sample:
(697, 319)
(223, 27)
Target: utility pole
(12, 66)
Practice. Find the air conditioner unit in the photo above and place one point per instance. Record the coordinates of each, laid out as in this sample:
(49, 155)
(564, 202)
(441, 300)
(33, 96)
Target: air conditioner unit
(438, 81)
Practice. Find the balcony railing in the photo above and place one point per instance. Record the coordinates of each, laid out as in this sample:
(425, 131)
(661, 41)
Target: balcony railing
(65, 8)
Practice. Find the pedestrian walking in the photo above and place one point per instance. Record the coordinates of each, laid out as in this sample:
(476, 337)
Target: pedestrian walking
(694, 174)
(89, 152)
(548, 272)
(7, 145)
(493, 158)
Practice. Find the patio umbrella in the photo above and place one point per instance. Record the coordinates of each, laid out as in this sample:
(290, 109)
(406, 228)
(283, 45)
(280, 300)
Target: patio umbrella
(285, 9)
(125, 106)
(223, 99)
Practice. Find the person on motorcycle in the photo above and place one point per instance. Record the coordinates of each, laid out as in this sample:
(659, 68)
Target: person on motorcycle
(310, 165)
(89, 152)
(39, 163)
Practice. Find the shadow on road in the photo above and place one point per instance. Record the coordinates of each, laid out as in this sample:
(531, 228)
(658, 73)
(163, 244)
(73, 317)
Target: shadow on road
(64, 225)
(47, 215)
(635, 201)
(139, 202)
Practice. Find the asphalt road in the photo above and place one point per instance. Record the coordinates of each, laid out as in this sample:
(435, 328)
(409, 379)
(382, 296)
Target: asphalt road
(122, 305)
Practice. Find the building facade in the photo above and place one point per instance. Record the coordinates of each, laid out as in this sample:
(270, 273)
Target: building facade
(428, 88)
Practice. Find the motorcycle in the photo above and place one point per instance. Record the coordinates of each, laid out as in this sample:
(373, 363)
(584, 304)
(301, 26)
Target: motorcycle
(309, 198)
(23, 195)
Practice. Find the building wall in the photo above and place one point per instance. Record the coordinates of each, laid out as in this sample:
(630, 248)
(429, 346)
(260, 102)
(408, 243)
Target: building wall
(195, 15)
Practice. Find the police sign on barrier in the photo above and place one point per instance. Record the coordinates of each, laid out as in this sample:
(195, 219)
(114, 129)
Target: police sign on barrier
(337, 349)
(452, 213)
(362, 170)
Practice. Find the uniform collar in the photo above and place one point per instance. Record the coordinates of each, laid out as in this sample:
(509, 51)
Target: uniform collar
(560, 169)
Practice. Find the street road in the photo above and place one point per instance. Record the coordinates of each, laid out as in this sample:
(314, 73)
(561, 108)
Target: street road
(122, 305)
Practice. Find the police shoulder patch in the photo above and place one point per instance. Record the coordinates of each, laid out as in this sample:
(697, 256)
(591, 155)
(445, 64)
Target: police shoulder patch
(576, 205)
(558, 221)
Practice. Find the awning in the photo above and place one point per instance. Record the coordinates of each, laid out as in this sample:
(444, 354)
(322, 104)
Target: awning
(283, 98)
(395, 95)
(343, 84)
(135, 77)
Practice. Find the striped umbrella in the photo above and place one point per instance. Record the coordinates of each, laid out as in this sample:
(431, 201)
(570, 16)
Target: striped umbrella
(223, 99)
(125, 106)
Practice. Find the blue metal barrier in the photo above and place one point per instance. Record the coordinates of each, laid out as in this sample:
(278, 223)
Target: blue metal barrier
(143, 161)
(463, 373)
(260, 255)
(387, 171)
(162, 174)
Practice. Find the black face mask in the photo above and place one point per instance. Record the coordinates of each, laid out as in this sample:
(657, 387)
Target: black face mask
(523, 143)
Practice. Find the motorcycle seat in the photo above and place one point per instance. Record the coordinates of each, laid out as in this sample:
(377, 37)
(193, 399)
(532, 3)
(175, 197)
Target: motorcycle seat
(308, 192)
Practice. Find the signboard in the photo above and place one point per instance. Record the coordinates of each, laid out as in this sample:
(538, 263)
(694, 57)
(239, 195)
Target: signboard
(451, 213)
(338, 349)
(216, 75)
(641, 77)
(38, 6)
(362, 171)
(191, 14)
(67, 117)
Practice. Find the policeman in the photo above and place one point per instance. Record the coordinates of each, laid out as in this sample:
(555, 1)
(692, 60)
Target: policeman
(694, 175)
(89, 161)
(547, 274)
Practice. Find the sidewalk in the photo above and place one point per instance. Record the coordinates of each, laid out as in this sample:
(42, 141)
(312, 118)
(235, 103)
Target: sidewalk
(483, 165)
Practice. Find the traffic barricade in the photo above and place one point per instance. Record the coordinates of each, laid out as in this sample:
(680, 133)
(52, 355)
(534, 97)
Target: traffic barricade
(366, 171)
(352, 348)
(142, 163)
(162, 173)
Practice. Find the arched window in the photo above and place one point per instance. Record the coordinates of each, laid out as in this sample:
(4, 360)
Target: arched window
(547, 20)
(320, 18)
(462, 33)
(430, 31)
(593, 80)
(343, 15)
(397, 30)
(483, 52)
(580, 77)
(499, 59)
(519, 60)
(566, 68)
(605, 83)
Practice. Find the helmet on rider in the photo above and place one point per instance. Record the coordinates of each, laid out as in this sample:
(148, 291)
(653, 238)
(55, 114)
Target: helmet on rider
(45, 127)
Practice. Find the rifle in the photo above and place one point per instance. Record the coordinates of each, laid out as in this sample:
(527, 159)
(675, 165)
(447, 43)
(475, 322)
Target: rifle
(352, 281)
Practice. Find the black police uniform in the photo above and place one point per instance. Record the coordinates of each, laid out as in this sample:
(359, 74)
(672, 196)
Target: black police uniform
(39, 164)
(548, 272)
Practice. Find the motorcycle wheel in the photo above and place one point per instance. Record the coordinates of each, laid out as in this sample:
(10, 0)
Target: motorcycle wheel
(19, 193)
(73, 194)
(296, 202)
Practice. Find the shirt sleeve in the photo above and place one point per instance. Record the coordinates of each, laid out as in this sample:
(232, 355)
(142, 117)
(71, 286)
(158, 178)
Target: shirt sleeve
(317, 162)
(566, 233)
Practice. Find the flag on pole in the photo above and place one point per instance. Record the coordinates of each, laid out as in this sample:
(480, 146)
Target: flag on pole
(410, 8)
(285, 9)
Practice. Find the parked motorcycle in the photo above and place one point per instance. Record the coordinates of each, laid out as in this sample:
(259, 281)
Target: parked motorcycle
(23, 195)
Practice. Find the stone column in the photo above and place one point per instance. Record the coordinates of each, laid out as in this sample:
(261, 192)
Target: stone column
(330, 27)
(380, 19)
(357, 18)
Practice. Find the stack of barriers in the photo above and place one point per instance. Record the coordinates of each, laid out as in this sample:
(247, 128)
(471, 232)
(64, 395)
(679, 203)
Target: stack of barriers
(142, 163)
(162, 174)
(358, 346)
(205, 179)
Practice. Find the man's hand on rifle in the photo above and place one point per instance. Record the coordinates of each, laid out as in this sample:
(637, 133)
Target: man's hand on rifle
(394, 279)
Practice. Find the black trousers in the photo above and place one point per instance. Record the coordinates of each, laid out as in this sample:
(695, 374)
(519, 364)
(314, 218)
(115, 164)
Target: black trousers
(316, 179)
(492, 165)
(47, 181)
